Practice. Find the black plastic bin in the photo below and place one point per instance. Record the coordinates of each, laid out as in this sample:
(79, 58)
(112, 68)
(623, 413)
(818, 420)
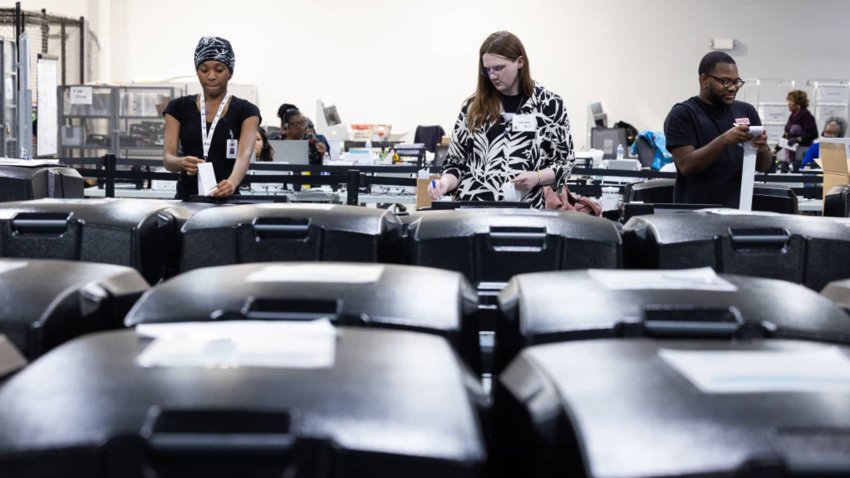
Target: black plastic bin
(493, 245)
(550, 307)
(131, 232)
(44, 303)
(90, 409)
(289, 232)
(20, 183)
(490, 246)
(836, 202)
(807, 250)
(639, 408)
(370, 295)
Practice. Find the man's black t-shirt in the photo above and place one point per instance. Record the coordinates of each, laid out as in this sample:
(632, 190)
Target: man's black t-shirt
(185, 110)
(695, 123)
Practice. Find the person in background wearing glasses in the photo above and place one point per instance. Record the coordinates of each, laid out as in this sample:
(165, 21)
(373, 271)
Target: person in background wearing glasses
(295, 125)
(511, 134)
(706, 133)
(213, 126)
(835, 128)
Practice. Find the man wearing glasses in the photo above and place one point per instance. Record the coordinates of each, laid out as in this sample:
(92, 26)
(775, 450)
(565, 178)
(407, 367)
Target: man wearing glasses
(706, 133)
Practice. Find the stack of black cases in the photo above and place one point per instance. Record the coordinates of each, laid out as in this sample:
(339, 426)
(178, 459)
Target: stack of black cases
(672, 373)
(807, 250)
(20, 183)
(289, 232)
(44, 303)
(677, 303)
(490, 246)
(369, 295)
(132, 232)
(388, 403)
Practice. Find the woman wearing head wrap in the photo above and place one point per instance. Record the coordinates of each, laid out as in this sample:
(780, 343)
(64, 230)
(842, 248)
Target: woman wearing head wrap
(213, 126)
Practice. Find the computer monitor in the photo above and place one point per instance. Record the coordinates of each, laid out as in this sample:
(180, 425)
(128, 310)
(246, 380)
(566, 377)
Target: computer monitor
(607, 139)
(328, 123)
(291, 151)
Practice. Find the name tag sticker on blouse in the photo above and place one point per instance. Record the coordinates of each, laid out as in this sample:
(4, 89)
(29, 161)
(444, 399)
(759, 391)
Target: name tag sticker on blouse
(524, 123)
(232, 147)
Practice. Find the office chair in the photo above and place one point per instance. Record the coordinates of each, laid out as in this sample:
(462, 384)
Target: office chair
(430, 136)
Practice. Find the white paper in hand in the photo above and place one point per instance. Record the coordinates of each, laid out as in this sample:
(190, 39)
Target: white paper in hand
(749, 170)
(509, 192)
(206, 179)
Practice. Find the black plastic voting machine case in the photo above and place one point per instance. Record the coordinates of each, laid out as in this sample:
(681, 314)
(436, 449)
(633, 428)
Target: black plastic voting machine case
(44, 303)
(836, 202)
(20, 183)
(131, 232)
(562, 306)
(369, 295)
(289, 232)
(673, 408)
(90, 409)
(807, 250)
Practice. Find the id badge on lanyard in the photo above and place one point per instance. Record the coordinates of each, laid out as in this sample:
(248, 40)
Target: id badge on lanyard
(206, 137)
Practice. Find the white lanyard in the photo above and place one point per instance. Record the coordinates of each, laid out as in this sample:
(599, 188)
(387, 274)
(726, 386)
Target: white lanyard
(206, 138)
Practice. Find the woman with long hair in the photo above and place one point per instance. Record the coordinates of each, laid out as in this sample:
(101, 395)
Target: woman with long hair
(262, 149)
(511, 135)
(213, 126)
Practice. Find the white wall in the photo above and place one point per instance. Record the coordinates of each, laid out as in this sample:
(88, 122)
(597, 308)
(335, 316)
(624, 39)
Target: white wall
(412, 63)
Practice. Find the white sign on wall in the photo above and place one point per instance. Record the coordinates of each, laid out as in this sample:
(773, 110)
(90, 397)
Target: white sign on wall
(81, 95)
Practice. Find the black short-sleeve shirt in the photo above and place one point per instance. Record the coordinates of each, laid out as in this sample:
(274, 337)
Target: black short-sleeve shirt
(695, 123)
(185, 110)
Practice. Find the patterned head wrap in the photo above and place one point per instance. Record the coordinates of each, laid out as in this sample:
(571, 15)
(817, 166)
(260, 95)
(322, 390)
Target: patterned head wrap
(214, 48)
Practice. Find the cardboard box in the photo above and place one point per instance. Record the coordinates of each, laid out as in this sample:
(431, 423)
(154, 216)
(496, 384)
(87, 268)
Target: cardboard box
(423, 199)
(834, 161)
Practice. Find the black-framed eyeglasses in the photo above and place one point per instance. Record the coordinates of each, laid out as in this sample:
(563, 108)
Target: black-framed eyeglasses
(726, 83)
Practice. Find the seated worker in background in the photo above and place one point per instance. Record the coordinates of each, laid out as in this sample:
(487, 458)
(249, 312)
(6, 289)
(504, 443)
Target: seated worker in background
(296, 129)
(512, 134)
(281, 111)
(311, 133)
(263, 151)
(835, 128)
(705, 135)
(213, 126)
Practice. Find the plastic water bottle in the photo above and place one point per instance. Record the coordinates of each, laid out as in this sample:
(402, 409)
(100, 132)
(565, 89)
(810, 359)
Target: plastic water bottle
(620, 151)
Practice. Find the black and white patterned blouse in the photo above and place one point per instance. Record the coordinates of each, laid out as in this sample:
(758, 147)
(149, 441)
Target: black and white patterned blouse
(485, 159)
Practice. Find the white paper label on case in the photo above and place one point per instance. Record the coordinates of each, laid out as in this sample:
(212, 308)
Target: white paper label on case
(820, 370)
(6, 266)
(240, 343)
(703, 278)
(318, 272)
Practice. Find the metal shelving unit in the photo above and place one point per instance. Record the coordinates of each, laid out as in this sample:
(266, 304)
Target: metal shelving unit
(122, 120)
(8, 105)
(829, 98)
